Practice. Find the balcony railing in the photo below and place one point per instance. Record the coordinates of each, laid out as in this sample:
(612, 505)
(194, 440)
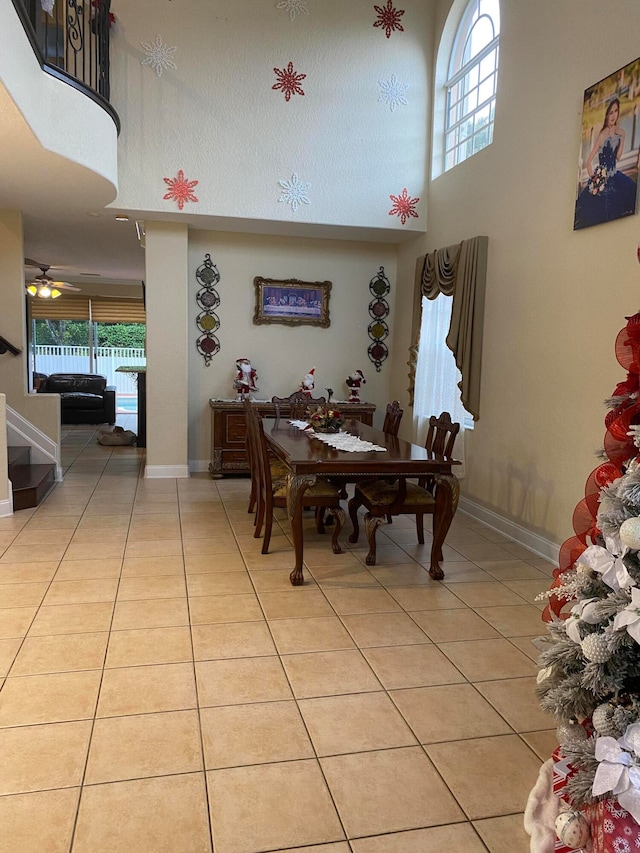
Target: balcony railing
(72, 43)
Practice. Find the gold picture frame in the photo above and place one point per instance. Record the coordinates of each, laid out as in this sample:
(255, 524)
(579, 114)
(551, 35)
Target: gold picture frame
(292, 302)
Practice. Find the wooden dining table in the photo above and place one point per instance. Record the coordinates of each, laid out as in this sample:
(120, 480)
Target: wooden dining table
(308, 458)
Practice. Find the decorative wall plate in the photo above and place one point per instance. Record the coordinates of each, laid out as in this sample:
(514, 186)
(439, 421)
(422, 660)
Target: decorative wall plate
(379, 310)
(208, 299)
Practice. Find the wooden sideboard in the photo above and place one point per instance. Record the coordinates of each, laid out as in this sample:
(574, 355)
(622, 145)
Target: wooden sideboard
(228, 431)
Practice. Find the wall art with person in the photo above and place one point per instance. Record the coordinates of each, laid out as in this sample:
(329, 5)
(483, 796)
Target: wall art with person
(609, 146)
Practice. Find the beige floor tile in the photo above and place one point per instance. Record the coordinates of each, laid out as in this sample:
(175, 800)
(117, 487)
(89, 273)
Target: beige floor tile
(542, 743)
(352, 601)
(135, 567)
(486, 594)
(411, 574)
(388, 791)
(463, 766)
(329, 673)
(29, 554)
(484, 660)
(259, 733)
(51, 832)
(518, 621)
(144, 745)
(147, 689)
(354, 723)
(260, 798)
(224, 608)
(22, 594)
(319, 634)
(449, 625)
(337, 847)
(234, 682)
(155, 613)
(30, 572)
(511, 570)
(411, 666)
(529, 590)
(464, 573)
(297, 604)
(60, 653)
(74, 570)
(86, 536)
(149, 646)
(525, 645)
(384, 629)
(504, 833)
(448, 712)
(35, 758)
(232, 640)
(81, 592)
(86, 551)
(453, 838)
(144, 815)
(54, 698)
(15, 621)
(214, 563)
(151, 548)
(8, 651)
(148, 588)
(217, 545)
(72, 619)
(436, 597)
(516, 700)
(219, 583)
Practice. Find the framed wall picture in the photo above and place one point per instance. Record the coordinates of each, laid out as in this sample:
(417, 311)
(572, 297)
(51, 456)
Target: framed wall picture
(292, 302)
(609, 146)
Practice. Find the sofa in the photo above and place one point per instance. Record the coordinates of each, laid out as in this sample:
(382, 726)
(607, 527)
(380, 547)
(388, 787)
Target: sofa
(85, 398)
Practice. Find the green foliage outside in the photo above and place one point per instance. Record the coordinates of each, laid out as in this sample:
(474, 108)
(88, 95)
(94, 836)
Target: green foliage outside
(76, 333)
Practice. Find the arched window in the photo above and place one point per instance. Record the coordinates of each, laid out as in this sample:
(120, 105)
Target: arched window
(472, 82)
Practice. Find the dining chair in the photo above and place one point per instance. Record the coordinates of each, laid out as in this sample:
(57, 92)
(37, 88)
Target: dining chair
(278, 468)
(392, 418)
(382, 498)
(272, 491)
(296, 404)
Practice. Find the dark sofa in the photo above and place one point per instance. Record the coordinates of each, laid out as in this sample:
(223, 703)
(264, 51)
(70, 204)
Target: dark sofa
(85, 398)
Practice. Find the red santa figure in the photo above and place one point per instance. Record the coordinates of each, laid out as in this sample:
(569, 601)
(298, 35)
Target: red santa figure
(245, 381)
(353, 383)
(308, 383)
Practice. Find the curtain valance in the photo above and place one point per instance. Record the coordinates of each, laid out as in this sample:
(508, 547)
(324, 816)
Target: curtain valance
(459, 271)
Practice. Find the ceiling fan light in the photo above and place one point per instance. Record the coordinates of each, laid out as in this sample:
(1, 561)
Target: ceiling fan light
(32, 290)
(55, 293)
(44, 291)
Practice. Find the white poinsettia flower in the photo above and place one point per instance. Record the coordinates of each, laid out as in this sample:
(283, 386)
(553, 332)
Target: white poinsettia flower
(618, 769)
(613, 570)
(580, 612)
(629, 618)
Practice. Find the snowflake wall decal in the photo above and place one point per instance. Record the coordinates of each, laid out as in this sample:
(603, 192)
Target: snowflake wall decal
(389, 18)
(288, 81)
(180, 189)
(293, 7)
(158, 55)
(295, 192)
(392, 92)
(403, 206)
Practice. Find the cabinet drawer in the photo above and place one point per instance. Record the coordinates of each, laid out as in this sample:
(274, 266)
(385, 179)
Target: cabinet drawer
(236, 429)
(235, 457)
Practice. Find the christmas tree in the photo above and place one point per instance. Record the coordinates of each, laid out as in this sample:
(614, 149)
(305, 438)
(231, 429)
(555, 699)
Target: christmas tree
(589, 676)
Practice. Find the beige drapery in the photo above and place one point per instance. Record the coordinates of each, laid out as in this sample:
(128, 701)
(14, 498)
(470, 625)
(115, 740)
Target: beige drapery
(461, 271)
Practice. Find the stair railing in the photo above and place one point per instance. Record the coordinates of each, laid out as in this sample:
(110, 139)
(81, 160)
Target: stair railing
(6, 346)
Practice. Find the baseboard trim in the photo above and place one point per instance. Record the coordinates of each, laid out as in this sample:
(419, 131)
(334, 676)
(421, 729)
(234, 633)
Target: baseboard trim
(516, 532)
(6, 506)
(158, 472)
(198, 466)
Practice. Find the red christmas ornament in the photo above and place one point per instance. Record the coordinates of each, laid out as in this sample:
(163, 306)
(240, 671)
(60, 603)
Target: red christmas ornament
(403, 206)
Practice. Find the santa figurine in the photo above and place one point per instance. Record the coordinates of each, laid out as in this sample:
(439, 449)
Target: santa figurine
(353, 383)
(308, 383)
(245, 381)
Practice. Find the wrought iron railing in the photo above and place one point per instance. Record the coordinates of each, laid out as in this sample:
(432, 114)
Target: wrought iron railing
(72, 42)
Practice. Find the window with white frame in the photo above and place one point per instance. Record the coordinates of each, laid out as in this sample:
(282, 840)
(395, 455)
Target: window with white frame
(472, 82)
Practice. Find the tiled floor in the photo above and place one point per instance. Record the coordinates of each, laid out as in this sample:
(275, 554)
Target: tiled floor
(165, 689)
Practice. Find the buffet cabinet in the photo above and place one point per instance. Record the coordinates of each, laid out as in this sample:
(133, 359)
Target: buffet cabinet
(229, 431)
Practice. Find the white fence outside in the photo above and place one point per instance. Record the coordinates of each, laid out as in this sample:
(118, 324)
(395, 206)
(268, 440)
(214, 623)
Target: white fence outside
(66, 359)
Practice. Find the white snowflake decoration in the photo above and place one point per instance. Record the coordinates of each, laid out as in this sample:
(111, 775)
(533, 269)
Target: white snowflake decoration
(295, 192)
(293, 7)
(393, 92)
(158, 55)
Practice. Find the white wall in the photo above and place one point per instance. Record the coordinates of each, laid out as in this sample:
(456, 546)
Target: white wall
(283, 354)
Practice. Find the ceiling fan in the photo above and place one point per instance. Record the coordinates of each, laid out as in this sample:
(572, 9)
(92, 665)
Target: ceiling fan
(43, 285)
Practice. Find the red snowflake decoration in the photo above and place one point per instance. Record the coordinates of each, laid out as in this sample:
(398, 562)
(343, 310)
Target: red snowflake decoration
(180, 189)
(403, 206)
(389, 18)
(288, 81)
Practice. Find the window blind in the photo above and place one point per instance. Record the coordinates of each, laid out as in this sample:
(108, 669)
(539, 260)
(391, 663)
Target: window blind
(73, 307)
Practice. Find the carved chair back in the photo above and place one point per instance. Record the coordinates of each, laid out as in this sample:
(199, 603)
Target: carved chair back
(295, 405)
(392, 418)
(441, 434)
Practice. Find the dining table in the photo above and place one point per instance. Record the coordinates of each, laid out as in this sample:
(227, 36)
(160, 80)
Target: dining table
(307, 458)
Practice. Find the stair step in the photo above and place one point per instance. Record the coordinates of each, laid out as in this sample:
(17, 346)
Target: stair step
(31, 484)
(18, 455)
